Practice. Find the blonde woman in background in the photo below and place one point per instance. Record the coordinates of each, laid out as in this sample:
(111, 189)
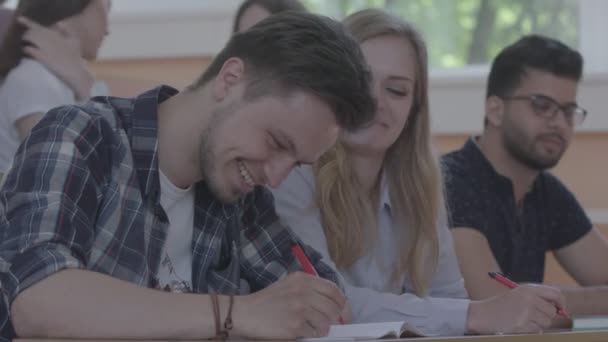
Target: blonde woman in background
(382, 221)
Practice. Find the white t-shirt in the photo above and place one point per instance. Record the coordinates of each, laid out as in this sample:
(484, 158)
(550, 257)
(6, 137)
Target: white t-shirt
(28, 89)
(175, 269)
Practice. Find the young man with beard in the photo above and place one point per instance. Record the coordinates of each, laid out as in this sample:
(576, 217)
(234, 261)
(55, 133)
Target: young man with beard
(112, 202)
(506, 209)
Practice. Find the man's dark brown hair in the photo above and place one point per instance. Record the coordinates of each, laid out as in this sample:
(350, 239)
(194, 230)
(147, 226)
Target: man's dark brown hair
(302, 51)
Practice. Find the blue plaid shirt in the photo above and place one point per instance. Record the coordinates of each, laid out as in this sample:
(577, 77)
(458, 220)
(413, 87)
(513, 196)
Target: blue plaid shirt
(84, 193)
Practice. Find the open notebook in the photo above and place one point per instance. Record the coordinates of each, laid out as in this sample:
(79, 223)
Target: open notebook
(590, 323)
(369, 331)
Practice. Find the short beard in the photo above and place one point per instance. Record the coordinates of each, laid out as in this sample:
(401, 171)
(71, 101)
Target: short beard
(208, 158)
(522, 150)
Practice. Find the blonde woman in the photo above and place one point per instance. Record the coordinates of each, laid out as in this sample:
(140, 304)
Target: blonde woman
(382, 221)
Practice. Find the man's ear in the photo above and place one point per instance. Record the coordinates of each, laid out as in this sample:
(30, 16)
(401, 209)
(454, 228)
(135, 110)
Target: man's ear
(230, 75)
(495, 110)
(70, 27)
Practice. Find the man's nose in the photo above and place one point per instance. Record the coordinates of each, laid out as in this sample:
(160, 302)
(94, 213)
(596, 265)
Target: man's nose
(277, 169)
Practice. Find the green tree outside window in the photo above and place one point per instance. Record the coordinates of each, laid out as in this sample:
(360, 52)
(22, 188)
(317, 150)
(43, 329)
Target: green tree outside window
(469, 32)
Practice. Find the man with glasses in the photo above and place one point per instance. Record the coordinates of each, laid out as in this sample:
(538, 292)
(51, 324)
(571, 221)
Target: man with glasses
(506, 209)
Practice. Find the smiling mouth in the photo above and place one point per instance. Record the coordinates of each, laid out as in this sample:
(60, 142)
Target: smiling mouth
(245, 174)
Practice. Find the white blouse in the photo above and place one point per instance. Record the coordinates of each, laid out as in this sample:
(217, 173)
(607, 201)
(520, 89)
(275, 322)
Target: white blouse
(373, 297)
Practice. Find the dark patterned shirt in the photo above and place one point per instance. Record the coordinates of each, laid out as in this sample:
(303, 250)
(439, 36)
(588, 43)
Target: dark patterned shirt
(84, 192)
(548, 218)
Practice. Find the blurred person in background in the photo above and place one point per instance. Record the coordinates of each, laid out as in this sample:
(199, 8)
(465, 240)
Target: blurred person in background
(5, 18)
(43, 63)
(252, 11)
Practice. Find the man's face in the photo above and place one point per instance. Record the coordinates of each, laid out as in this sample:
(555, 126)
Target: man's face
(532, 136)
(258, 142)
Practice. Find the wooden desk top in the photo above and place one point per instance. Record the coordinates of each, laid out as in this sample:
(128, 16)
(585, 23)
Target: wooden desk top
(562, 336)
(565, 336)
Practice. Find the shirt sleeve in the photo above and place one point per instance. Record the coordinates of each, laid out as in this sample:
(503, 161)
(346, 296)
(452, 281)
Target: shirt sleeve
(50, 199)
(266, 245)
(463, 200)
(432, 315)
(568, 220)
(32, 89)
(448, 281)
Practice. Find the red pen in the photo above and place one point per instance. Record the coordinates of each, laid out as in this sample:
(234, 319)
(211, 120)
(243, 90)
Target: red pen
(307, 266)
(499, 277)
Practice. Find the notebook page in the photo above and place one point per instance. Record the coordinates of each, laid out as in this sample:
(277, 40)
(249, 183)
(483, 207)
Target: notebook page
(360, 331)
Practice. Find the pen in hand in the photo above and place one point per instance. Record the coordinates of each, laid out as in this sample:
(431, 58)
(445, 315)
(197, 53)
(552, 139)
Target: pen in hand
(307, 266)
(499, 277)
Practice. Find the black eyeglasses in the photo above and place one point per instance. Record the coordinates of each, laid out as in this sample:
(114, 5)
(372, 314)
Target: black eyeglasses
(548, 107)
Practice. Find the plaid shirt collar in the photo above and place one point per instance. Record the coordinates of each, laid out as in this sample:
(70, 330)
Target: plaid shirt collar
(144, 148)
(144, 137)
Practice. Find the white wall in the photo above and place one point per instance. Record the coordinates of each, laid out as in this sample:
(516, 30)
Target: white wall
(168, 28)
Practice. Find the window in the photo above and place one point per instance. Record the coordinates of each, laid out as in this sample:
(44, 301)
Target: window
(459, 33)
(471, 32)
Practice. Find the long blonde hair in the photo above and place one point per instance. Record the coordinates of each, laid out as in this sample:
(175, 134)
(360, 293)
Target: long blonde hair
(412, 171)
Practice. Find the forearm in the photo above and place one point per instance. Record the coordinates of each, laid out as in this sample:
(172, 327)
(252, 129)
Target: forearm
(591, 300)
(435, 316)
(83, 304)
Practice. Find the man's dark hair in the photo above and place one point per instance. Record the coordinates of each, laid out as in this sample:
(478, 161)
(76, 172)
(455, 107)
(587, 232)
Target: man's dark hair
(272, 6)
(302, 51)
(532, 52)
(44, 12)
